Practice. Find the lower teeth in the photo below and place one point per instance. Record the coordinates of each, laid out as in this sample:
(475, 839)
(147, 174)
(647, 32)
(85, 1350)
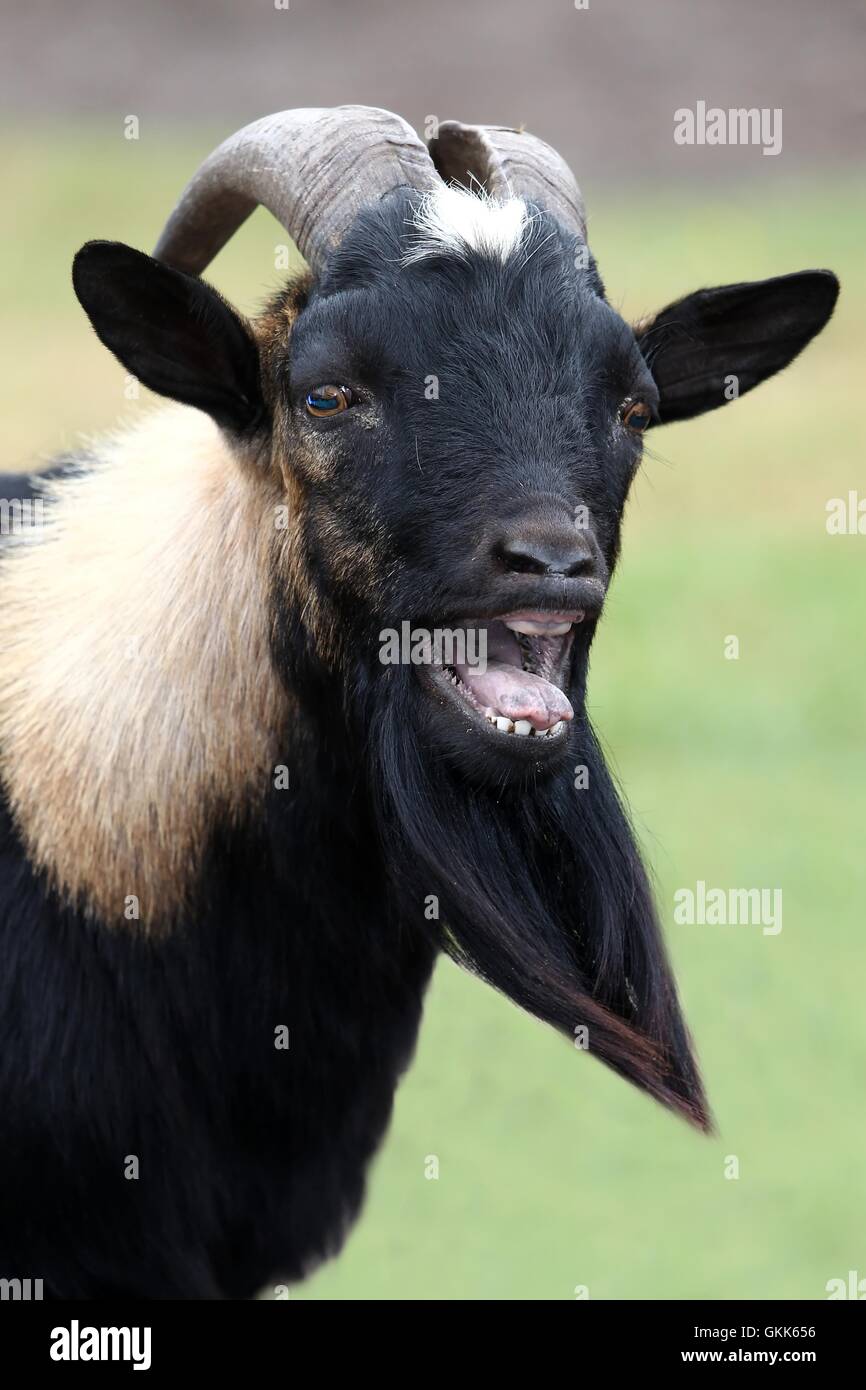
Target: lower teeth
(522, 728)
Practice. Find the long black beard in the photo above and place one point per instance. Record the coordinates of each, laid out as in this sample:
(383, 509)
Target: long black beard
(541, 892)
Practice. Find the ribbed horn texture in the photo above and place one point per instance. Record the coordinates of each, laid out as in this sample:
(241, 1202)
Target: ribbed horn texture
(507, 161)
(314, 168)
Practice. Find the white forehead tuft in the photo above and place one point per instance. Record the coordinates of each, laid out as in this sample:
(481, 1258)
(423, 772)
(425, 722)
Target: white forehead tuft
(451, 219)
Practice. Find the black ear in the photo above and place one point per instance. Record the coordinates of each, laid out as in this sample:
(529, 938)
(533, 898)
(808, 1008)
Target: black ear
(172, 331)
(745, 331)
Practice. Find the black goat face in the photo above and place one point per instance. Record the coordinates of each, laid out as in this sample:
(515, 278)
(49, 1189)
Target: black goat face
(467, 423)
(457, 413)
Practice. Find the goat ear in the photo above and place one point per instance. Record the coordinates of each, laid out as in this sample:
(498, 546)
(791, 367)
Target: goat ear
(748, 331)
(172, 331)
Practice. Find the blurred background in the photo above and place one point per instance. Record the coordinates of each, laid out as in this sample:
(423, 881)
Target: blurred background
(553, 1174)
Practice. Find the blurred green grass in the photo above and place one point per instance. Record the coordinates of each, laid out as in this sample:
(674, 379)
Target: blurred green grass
(743, 773)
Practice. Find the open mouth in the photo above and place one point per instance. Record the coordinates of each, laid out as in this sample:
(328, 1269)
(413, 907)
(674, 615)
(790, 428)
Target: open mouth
(518, 691)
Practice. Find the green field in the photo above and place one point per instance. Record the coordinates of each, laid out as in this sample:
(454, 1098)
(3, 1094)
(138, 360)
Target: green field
(750, 772)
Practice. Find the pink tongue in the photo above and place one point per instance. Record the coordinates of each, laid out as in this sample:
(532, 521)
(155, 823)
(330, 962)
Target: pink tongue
(516, 694)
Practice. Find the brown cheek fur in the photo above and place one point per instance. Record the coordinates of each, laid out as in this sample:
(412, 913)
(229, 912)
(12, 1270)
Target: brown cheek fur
(304, 460)
(137, 694)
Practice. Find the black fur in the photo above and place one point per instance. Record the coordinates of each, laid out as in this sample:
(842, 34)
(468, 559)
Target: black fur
(315, 914)
(251, 1158)
(173, 332)
(750, 330)
(18, 487)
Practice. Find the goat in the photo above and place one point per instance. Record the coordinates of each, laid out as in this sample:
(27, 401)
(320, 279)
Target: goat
(233, 840)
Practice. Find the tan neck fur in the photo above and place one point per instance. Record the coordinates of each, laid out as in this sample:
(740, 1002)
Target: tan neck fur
(137, 694)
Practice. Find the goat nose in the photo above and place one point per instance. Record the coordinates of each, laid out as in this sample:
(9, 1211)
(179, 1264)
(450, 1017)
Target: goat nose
(563, 552)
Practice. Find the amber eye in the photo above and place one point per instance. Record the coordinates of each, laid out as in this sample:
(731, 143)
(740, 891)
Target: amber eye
(636, 415)
(328, 400)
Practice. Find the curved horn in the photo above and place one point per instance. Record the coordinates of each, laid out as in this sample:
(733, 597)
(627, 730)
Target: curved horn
(313, 168)
(510, 162)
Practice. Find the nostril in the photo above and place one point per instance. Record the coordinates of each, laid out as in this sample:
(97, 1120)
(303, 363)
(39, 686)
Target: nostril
(584, 564)
(569, 556)
(519, 558)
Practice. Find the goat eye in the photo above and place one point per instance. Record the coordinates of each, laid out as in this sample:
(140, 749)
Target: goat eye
(636, 415)
(328, 400)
